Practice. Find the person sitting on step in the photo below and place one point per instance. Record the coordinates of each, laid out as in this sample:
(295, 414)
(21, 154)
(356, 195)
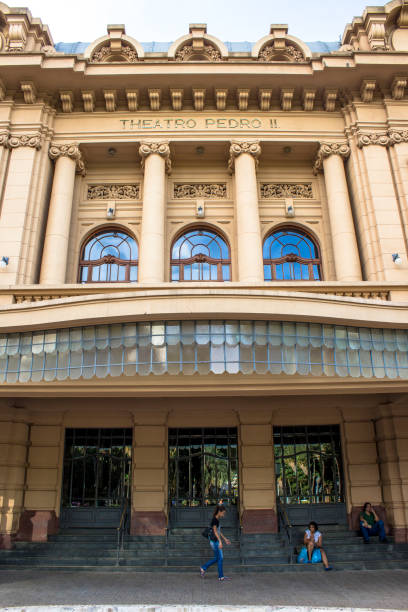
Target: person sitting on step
(312, 540)
(370, 524)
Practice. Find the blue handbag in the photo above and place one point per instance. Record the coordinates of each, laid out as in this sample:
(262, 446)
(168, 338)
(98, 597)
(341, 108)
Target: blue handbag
(302, 556)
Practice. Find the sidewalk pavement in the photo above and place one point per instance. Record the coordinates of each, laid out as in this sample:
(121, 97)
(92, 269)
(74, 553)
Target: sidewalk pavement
(387, 589)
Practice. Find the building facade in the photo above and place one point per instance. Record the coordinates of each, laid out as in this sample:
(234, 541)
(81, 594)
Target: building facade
(204, 278)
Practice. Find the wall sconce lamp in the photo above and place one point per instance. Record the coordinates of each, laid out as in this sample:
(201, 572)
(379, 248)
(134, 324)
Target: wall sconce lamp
(4, 262)
(200, 209)
(396, 259)
(289, 208)
(111, 211)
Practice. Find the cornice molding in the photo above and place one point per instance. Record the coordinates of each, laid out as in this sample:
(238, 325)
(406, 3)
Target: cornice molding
(251, 147)
(24, 140)
(68, 150)
(326, 150)
(157, 147)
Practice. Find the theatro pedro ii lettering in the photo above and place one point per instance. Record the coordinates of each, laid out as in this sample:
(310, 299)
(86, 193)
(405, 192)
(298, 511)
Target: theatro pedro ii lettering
(202, 123)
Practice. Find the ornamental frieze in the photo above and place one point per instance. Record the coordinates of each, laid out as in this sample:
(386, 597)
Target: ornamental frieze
(25, 140)
(191, 191)
(113, 192)
(68, 150)
(272, 191)
(4, 139)
(330, 148)
(158, 147)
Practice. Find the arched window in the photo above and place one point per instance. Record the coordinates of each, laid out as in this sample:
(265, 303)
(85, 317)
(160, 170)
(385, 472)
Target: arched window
(290, 254)
(110, 256)
(200, 255)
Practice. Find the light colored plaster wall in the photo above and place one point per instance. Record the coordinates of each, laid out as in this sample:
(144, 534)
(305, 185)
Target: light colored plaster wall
(392, 437)
(14, 432)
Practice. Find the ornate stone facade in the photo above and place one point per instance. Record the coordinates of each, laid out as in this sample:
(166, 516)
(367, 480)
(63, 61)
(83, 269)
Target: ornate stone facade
(275, 191)
(113, 191)
(191, 191)
(373, 138)
(104, 54)
(289, 53)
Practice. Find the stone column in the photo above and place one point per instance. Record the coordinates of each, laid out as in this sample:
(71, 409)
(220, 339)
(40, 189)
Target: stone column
(392, 440)
(156, 162)
(383, 205)
(346, 257)
(244, 158)
(68, 160)
(14, 434)
(18, 192)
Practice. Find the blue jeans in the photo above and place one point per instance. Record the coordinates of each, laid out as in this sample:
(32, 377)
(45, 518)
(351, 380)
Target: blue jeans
(218, 558)
(376, 529)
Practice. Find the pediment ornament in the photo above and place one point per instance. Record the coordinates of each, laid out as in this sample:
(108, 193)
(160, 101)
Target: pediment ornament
(186, 53)
(105, 54)
(289, 52)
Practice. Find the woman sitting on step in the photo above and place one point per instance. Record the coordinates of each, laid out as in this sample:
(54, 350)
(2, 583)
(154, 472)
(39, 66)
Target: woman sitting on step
(370, 524)
(312, 552)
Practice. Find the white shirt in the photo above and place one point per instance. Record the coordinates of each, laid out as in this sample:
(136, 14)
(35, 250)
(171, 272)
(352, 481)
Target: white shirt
(316, 535)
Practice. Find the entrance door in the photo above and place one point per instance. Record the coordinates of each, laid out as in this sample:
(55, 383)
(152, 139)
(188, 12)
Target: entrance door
(203, 470)
(309, 474)
(97, 473)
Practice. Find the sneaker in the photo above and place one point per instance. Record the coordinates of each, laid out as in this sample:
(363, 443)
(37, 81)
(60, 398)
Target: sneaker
(328, 569)
(202, 572)
(224, 578)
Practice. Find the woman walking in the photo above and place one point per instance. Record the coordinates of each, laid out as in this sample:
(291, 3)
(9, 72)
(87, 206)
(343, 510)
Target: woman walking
(215, 538)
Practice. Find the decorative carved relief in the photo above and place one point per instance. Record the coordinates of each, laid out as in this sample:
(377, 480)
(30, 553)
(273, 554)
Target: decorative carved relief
(191, 191)
(186, 53)
(264, 98)
(113, 192)
(272, 191)
(398, 87)
(373, 139)
(397, 136)
(243, 146)
(4, 136)
(25, 140)
(289, 53)
(68, 150)
(159, 147)
(16, 38)
(104, 54)
(327, 149)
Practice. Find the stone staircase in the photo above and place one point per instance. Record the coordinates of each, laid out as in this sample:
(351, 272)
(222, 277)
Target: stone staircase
(184, 550)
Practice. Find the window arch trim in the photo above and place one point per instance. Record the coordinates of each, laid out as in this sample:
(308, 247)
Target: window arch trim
(129, 265)
(292, 257)
(201, 258)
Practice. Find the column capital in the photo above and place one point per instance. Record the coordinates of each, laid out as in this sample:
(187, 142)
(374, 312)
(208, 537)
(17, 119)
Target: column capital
(159, 147)
(327, 149)
(68, 150)
(4, 136)
(252, 147)
(373, 138)
(397, 136)
(24, 140)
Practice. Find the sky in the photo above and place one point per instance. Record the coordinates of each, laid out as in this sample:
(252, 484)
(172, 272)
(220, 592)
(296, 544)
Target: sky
(166, 20)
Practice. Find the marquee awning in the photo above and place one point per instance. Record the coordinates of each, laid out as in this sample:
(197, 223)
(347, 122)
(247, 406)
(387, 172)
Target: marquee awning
(203, 347)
